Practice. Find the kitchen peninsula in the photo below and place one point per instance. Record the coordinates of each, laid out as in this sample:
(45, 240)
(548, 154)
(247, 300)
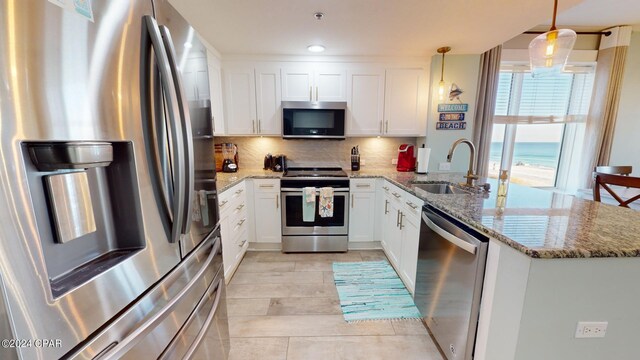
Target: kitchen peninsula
(553, 260)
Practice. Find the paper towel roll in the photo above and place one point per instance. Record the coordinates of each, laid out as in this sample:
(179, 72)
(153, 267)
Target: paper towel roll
(422, 161)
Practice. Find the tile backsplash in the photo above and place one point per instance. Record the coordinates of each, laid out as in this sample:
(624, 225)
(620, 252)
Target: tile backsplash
(376, 152)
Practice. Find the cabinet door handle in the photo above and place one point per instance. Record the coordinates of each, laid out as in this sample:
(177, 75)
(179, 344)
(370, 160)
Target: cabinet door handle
(398, 219)
(310, 93)
(316, 93)
(259, 127)
(223, 203)
(387, 126)
(412, 205)
(352, 201)
(401, 220)
(253, 126)
(386, 203)
(277, 201)
(380, 126)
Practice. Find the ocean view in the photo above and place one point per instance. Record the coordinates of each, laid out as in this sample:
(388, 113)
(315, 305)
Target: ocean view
(543, 154)
(534, 163)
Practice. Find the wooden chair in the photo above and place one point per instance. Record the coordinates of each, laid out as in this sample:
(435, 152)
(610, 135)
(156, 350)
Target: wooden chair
(604, 180)
(614, 170)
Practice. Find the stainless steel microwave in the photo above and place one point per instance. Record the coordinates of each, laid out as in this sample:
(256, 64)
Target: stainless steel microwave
(313, 120)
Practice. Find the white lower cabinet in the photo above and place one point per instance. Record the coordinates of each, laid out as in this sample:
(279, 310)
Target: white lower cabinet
(362, 210)
(268, 219)
(401, 219)
(234, 227)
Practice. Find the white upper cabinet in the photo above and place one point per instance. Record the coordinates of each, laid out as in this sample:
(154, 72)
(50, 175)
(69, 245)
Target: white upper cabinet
(405, 102)
(365, 101)
(215, 91)
(314, 83)
(268, 101)
(194, 78)
(240, 101)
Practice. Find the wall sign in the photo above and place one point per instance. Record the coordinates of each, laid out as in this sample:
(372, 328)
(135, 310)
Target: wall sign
(457, 125)
(453, 107)
(451, 116)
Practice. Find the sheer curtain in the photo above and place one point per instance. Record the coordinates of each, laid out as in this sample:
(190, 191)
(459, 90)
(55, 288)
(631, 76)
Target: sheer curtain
(604, 103)
(485, 106)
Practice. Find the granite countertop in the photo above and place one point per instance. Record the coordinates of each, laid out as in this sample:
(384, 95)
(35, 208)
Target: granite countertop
(539, 223)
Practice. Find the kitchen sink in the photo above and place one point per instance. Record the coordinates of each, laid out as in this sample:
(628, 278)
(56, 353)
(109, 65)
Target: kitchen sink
(440, 188)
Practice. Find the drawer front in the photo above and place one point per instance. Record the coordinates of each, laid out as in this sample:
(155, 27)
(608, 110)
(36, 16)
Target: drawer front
(238, 222)
(232, 194)
(266, 185)
(362, 185)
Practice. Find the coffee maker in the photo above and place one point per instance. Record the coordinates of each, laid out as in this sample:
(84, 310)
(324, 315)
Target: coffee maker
(230, 155)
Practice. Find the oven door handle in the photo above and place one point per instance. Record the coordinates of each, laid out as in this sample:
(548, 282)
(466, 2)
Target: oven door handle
(298, 190)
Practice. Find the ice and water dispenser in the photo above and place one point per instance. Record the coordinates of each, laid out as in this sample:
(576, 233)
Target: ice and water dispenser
(87, 206)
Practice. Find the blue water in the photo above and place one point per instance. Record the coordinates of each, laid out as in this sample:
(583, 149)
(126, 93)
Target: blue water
(531, 153)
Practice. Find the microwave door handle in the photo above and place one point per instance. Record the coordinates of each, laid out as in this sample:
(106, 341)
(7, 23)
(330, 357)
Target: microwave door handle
(187, 139)
(152, 40)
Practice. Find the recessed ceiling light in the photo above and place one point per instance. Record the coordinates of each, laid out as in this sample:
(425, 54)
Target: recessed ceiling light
(315, 48)
(318, 16)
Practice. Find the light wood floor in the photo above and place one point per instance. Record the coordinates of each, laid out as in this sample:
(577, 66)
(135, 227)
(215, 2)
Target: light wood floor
(285, 306)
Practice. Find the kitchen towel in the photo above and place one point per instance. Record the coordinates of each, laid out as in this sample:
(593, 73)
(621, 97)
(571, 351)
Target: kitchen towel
(326, 202)
(308, 204)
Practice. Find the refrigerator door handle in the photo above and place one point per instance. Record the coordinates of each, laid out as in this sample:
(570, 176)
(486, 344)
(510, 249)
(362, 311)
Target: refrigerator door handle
(134, 337)
(172, 107)
(186, 129)
(214, 287)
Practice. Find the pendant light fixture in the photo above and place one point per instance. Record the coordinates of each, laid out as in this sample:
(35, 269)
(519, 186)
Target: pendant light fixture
(549, 52)
(442, 50)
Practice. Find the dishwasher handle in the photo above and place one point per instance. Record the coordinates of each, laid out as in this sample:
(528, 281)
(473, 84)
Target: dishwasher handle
(464, 245)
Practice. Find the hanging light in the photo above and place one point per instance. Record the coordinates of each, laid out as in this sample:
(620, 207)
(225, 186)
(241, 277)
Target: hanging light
(442, 50)
(549, 52)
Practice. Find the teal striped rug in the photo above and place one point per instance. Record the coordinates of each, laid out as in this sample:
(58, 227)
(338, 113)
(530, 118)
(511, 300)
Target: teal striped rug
(372, 291)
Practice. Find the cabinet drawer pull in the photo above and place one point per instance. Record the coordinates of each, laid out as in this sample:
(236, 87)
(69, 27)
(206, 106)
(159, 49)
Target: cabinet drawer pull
(412, 205)
(223, 203)
(238, 192)
(269, 186)
(395, 194)
(385, 188)
(241, 222)
(240, 207)
(242, 243)
(363, 185)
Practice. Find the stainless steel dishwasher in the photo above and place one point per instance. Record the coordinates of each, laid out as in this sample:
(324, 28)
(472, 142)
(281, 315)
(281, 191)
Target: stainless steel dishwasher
(451, 262)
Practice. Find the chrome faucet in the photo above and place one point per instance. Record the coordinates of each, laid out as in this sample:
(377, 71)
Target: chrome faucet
(471, 176)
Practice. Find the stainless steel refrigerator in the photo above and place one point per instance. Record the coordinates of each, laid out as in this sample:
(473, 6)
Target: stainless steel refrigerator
(109, 238)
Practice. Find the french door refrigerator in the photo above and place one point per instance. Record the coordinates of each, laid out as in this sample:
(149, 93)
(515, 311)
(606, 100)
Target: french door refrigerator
(109, 239)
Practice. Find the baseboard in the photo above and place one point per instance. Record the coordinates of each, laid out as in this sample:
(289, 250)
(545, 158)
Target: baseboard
(253, 246)
(365, 245)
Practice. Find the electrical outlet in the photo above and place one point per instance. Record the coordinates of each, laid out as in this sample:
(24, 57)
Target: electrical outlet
(444, 166)
(590, 329)
(394, 161)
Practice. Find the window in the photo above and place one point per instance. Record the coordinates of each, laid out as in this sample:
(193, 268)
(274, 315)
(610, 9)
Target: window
(531, 119)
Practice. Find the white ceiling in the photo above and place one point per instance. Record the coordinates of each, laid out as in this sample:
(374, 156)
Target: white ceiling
(386, 27)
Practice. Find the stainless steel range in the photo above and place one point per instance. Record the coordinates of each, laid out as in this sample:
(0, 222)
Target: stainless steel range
(322, 234)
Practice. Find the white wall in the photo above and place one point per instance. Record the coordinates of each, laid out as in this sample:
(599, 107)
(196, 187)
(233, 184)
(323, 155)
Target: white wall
(626, 144)
(546, 298)
(463, 71)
